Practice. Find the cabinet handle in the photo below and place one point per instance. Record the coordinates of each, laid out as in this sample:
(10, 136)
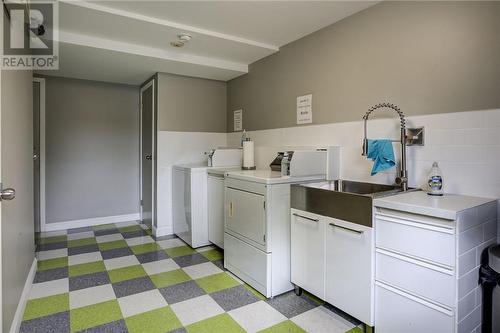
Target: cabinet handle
(345, 228)
(305, 217)
(230, 209)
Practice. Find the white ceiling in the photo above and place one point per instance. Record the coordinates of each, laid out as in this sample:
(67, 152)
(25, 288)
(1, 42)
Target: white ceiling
(128, 41)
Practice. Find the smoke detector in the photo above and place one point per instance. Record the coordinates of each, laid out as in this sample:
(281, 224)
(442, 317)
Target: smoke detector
(182, 40)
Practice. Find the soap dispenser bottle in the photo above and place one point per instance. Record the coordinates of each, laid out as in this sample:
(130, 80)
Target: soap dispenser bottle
(435, 181)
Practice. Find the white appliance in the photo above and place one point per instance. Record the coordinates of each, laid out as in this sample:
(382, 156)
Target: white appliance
(224, 156)
(190, 203)
(257, 228)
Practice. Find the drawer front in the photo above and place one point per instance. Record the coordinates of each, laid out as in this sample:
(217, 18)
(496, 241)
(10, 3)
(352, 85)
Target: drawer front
(248, 263)
(431, 282)
(428, 242)
(245, 215)
(397, 312)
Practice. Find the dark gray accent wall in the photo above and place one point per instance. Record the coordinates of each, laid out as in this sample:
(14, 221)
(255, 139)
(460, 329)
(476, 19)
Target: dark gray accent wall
(92, 145)
(187, 104)
(427, 57)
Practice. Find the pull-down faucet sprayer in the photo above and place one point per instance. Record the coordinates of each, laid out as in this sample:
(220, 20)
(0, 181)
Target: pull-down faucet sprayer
(402, 178)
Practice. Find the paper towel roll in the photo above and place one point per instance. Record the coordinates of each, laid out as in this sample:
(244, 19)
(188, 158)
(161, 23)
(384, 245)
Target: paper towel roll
(248, 155)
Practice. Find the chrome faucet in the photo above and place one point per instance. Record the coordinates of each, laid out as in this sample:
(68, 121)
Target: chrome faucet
(402, 178)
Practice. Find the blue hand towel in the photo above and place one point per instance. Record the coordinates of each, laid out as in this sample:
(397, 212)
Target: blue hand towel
(382, 155)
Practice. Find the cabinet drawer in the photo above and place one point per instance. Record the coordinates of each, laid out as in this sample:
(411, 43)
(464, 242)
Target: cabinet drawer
(430, 242)
(249, 263)
(431, 282)
(398, 312)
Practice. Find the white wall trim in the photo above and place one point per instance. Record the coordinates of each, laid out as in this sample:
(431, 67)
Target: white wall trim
(91, 222)
(41, 81)
(162, 231)
(18, 316)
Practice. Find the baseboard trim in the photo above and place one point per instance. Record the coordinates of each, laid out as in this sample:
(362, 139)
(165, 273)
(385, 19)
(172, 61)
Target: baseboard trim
(162, 231)
(18, 316)
(91, 222)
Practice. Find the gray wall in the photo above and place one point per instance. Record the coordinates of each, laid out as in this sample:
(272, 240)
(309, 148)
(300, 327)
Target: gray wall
(427, 57)
(187, 104)
(17, 172)
(92, 145)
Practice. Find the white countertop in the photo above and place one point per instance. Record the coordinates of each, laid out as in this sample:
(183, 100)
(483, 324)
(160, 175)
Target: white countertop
(419, 202)
(204, 166)
(221, 171)
(270, 177)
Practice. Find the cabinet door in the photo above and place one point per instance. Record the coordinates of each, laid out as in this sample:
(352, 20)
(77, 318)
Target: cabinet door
(245, 214)
(308, 252)
(216, 210)
(349, 271)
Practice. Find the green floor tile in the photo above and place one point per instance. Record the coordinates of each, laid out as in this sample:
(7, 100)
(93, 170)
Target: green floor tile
(157, 321)
(54, 239)
(216, 282)
(112, 245)
(104, 226)
(255, 292)
(130, 228)
(217, 324)
(179, 251)
(286, 326)
(212, 255)
(145, 248)
(81, 242)
(169, 278)
(94, 315)
(45, 306)
(52, 263)
(126, 273)
(87, 268)
(313, 298)
(355, 330)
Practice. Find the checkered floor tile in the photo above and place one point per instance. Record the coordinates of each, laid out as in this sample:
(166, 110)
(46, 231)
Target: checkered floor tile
(118, 278)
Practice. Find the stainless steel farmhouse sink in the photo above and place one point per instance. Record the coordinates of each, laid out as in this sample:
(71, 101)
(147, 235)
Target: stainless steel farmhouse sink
(341, 199)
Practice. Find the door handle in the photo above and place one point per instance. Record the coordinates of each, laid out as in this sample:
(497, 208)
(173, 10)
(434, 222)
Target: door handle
(7, 194)
(148, 157)
(305, 217)
(347, 229)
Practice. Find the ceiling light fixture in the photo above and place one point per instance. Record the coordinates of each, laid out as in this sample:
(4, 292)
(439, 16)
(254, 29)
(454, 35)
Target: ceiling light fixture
(183, 38)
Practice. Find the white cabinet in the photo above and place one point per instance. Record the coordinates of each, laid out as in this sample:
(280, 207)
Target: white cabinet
(216, 210)
(349, 268)
(333, 260)
(308, 253)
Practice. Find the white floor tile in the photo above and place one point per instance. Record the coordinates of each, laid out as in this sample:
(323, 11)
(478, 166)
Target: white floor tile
(88, 296)
(205, 248)
(49, 288)
(51, 254)
(202, 270)
(160, 266)
(257, 316)
(81, 235)
(320, 320)
(139, 240)
(126, 224)
(143, 302)
(196, 309)
(169, 243)
(109, 238)
(84, 258)
(121, 262)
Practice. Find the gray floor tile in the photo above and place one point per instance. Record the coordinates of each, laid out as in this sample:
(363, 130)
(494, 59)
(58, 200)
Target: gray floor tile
(88, 280)
(52, 246)
(77, 230)
(51, 274)
(135, 233)
(83, 249)
(181, 292)
(106, 232)
(134, 286)
(219, 263)
(113, 327)
(115, 253)
(164, 237)
(151, 256)
(233, 298)
(58, 322)
(291, 305)
(190, 259)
